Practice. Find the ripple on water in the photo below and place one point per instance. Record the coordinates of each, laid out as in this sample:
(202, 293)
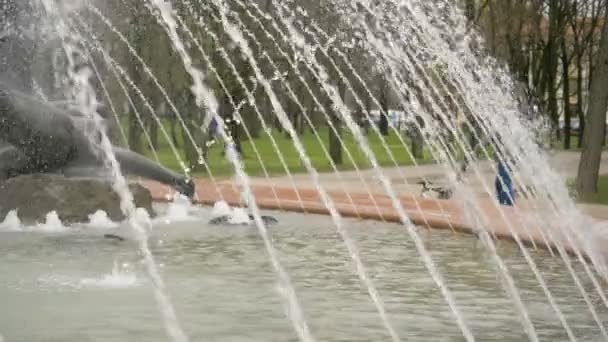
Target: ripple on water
(122, 276)
(223, 286)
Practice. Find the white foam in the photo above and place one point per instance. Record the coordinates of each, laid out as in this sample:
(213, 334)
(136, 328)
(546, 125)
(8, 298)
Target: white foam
(11, 222)
(179, 208)
(120, 277)
(142, 216)
(100, 219)
(177, 211)
(221, 208)
(239, 216)
(52, 224)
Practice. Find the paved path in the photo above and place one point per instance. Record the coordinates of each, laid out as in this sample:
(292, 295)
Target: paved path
(565, 163)
(353, 199)
(404, 179)
(499, 222)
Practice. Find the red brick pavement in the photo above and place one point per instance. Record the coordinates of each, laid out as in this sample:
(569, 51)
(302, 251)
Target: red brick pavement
(439, 214)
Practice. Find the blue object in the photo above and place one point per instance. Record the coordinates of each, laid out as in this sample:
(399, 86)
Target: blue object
(213, 127)
(504, 185)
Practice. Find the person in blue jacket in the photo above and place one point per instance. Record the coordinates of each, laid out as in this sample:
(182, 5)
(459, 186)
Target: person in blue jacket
(504, 185)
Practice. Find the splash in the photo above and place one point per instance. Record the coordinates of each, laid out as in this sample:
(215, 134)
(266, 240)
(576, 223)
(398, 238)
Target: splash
(52, 223)
(239, 216)
(177, 211)
(221, 208)
(11, 222)
(120, 277)
(100, 219)
(179, 208)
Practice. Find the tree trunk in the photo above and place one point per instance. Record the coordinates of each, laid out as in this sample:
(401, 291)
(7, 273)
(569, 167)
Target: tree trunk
(470, 10)
(383, 123)
(417, 140)
(335, 147)
(154, 134)
(566, 95)
(550, 64)
(135, 131)
(173, 129)
(579, 100)
(593, 139)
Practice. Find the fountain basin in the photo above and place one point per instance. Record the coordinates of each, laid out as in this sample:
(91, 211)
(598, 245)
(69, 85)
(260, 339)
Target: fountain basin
(77, 286)
(502, 222)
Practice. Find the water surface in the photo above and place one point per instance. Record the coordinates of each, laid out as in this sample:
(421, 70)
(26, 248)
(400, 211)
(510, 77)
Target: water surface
(59, 284)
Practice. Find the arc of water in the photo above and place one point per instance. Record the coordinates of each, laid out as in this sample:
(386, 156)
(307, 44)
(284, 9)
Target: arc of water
(490, 134)
(237, 111)
(292, 95)
(237, 38)
(539, 278)
(119, 73)
(387, 185)
(111, 103)
(565, 230)
(119, 182)
(108, 98)
(140, 121)
(250, 97)
(555, 203)
(149, 72)
(377, 131)
(484, 150)
(203, 95)
(288, 40)
(501, 147)
(332, 127)
(564, 254)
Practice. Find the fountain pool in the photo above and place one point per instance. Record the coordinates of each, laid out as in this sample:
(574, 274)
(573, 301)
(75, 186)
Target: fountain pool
(61, 285)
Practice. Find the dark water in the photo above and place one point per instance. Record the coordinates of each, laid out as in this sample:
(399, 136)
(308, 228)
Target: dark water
(58, 286)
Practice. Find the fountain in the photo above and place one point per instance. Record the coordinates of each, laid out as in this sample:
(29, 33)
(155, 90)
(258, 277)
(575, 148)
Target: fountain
(366, 259)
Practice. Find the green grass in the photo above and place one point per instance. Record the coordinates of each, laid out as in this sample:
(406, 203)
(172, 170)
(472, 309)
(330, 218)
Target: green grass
(601, 197)
(573, 144)
(220, 166)
(559, 145)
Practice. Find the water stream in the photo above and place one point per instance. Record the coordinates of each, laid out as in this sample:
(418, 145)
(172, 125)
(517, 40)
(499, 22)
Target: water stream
(405, 280)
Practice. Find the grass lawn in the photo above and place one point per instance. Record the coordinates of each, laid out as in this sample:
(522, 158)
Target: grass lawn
(601, 197)
(220, 166)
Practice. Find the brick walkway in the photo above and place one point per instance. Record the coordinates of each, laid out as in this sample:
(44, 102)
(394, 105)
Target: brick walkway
(439, 214)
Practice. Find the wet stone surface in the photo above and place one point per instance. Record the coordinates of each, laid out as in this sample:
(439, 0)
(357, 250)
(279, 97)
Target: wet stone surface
(74, 199)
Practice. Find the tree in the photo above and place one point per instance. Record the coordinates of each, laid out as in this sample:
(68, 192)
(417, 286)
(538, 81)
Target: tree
(593, 138)
(383, 98)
